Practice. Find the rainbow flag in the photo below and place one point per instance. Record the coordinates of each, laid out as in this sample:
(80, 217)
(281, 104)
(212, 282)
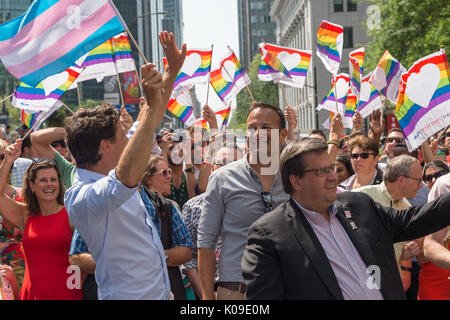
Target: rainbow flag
(356, 63)
(273, 62)
(181, 107)
(386, 77)
(295, 61)
(423, 104)
(123, 56)
(47, 93)
(350, 108)
(51, 35)
(339, 88)
(369, 98)
(224, 114)
(230, 78)
(36, 119)
(108, 59)
(330, 40)
(195, 70)
(29, 119)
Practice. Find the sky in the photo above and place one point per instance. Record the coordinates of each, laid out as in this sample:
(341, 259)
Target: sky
(206, 23)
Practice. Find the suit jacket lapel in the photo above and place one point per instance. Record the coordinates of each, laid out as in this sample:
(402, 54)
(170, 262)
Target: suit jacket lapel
(356, 236)
(306, 237)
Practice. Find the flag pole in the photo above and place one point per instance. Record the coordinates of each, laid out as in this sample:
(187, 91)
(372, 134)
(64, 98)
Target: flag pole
(283, 94)
(335, 94)
(120, 87)
(78, 93)
(67, 107)
(7, 97)
(137, 46)
(209, 77)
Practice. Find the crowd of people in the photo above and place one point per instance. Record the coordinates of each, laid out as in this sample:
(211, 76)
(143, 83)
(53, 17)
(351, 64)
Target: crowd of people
(108, 208)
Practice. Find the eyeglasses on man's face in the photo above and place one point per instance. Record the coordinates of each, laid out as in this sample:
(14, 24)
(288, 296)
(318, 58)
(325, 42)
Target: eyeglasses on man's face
(322, 172)
(418, 180)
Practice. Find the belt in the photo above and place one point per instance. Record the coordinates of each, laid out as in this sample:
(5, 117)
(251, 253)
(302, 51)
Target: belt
(234, 286)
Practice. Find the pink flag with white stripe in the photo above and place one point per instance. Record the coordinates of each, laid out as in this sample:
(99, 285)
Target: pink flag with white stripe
(51, 35)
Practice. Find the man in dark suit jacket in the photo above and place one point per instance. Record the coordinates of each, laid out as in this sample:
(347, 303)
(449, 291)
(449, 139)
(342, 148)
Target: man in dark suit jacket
(319, 245)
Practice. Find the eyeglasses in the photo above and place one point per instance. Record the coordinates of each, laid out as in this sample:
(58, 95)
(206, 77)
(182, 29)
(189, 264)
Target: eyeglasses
(429, 177)
(398, 140)
(322, 172)
(62, 144)
(363, 155)
(419, 181)
(165, 172)
(267, 198)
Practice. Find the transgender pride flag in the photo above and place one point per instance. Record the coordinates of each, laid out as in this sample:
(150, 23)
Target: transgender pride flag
(51, 35)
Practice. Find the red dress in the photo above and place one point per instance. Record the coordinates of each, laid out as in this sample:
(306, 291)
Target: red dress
(46, 242)
(434, 282)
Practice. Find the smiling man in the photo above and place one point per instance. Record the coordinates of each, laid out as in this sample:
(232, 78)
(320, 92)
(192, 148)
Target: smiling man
(319, 245)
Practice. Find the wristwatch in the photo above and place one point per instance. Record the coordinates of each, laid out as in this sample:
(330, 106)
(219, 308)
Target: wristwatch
(190, 170)
(166, 256)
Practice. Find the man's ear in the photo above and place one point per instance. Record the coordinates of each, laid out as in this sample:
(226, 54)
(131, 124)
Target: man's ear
(296, 182)
(283, 135)
(104, 147)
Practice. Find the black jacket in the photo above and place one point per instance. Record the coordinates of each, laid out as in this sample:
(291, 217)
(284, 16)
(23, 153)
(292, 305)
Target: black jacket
(285, 260)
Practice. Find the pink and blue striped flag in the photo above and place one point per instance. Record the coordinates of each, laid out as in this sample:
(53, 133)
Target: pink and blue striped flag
(51, 35)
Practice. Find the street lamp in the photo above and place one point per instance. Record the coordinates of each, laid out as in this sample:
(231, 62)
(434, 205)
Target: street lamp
(164, 13)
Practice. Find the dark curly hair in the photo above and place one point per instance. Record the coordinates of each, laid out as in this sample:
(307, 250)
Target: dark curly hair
(86, 128)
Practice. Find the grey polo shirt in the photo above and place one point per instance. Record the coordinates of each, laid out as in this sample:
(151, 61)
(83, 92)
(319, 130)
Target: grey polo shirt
(233, 201)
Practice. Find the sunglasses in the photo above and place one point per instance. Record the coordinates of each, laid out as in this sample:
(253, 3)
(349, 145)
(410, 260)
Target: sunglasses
(398, 140)
(39, 160)
(62, 144)
(322, 172)
(267, 198)
(2, 156)
(165, 172)
(363, 155)
(427, 178)
(447, 134)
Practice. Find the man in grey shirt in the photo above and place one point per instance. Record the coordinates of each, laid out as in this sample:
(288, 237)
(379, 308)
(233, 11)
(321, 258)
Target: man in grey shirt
(236, 196)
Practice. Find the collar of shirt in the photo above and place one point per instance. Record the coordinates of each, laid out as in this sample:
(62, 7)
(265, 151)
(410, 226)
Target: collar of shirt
(349, 182)
(332, 210)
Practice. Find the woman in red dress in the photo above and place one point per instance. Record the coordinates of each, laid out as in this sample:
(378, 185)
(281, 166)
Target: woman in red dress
(47, 232)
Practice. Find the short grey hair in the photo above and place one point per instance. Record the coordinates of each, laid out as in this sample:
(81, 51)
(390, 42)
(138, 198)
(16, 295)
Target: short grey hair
(291, 159)
(397, 167)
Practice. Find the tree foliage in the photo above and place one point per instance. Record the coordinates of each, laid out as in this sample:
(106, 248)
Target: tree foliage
(261, 91)
(410, 30)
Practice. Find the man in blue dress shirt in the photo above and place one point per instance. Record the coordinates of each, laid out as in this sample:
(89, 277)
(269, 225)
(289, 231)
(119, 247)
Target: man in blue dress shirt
(104, 202)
